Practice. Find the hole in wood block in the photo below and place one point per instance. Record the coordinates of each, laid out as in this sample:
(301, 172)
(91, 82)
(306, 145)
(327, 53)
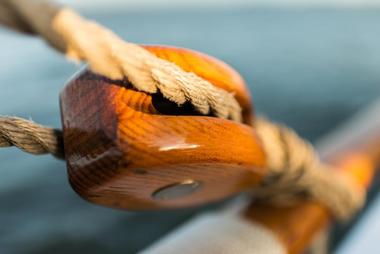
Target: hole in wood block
(177, 190)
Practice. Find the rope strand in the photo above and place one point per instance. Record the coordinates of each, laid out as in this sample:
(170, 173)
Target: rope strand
(294, 171)
(110, 56)
(30, 137)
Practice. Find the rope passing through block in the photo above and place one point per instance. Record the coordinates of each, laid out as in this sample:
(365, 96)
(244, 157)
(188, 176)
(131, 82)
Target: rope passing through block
(294, 170)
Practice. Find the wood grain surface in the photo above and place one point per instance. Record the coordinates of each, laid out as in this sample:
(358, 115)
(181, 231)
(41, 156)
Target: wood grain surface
(122, 145)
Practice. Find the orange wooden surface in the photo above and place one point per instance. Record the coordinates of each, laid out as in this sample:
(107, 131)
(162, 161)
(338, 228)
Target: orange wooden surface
(123, 145)
(120, 148)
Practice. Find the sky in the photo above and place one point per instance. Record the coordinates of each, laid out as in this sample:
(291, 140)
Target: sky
(113, 4)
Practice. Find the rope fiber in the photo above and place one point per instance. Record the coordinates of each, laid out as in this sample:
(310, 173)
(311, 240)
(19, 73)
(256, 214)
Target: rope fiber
(294, 169)
(110, 56)
(296, 172)
(30, 137)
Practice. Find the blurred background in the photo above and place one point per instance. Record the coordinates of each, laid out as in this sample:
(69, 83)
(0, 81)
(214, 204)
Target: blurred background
(309, 63)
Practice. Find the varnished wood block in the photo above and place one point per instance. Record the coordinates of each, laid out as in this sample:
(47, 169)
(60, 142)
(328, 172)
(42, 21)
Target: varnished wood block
(123, 146)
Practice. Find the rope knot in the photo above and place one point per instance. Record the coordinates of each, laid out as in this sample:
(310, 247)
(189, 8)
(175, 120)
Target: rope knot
(295, 171)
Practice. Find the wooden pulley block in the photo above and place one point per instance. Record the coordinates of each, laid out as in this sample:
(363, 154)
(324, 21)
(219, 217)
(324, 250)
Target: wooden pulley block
(132, 150)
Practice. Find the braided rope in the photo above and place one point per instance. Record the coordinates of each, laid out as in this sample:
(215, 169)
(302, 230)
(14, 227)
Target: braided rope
(110, 56)
(294, 170)
(30, 137)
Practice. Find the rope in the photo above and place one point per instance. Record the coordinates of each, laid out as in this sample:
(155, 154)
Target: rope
(30, 137)
(295, 171)
(294, 167)
(32, 17)
(112, 57)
